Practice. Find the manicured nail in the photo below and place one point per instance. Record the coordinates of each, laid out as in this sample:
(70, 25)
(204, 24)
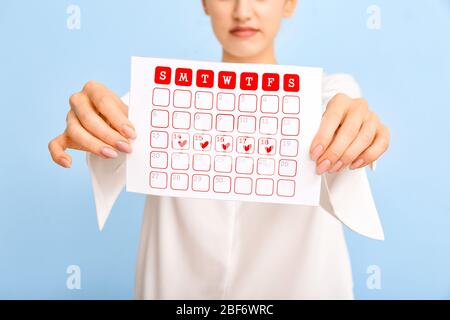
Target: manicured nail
(65, 162)
(316, 152)
(323, 166)
(129, 131)
(357, 164)
(109, 153)
(123, 146)
(336, 166)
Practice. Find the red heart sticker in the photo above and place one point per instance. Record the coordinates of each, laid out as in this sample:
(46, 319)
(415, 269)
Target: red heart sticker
(182, 143)
(269, 149)
(225, 146)
(204, 144)
(247, 147)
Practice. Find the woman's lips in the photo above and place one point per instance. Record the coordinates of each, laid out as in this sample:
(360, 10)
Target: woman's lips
(243, 32)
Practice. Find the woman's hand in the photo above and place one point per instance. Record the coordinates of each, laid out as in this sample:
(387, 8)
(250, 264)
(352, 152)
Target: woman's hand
(97, 122)
(349, 135)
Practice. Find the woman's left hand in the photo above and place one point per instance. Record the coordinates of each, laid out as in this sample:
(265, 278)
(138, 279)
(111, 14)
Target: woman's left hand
(349, 135)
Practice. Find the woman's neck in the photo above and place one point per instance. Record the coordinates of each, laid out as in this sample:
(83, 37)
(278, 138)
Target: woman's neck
(265, 57)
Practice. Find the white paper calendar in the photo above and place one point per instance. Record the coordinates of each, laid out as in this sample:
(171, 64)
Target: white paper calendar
(224, 131)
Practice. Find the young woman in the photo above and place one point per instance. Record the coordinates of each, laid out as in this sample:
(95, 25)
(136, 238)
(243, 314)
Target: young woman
(208, 249)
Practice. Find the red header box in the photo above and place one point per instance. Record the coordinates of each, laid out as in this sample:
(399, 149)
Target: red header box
(205, 78)
(249, 81)
(227, 80)
(163, 75)
(183, 77)
(291, 82)
(271, 82)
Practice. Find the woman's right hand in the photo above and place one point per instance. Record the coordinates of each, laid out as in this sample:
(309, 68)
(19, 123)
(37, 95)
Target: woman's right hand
(97, 122)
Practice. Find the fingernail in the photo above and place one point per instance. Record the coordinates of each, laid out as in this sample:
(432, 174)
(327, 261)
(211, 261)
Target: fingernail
(357, 164)
(323, 166)
(109, 153)
(65, 163)
(123, 146)
(129, 131)
(316, 152)
(336, 166)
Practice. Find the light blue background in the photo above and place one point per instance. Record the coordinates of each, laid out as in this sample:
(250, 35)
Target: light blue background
(47, 219)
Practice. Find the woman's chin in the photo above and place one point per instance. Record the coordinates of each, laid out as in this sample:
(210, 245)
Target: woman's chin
(244, 51)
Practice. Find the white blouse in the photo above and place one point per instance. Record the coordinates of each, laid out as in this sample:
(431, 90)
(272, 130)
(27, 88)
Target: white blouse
(210, 249)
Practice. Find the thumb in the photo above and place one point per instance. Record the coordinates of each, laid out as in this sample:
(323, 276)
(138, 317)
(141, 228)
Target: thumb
(57, 148)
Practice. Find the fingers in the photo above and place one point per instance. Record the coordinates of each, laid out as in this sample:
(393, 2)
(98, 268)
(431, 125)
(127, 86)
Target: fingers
(363, 140)
(346, 134)
(111, 107)
(349, 135)
(331, 120)
(80, 136)
(57, 149)
(95, 125)
(376, 149)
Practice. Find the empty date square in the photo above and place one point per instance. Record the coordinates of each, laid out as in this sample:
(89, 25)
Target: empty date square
(286, 188)
(269, 104)
(247, 103)
(180, 161)
(204, 100)
(200, 182)
(264, 187)
(203, 121)
(201, 162)
(287, 168)
(158, 160)
(243, 185)
(289, 148)
(225, 101)
(161, 97)
(159, 139)
(222, 184)
(290, 126)
(181, 120)
(160, 119)
(268, 125)
(182, 99)
(179, 181)
(223, 163)
(158, 180)
(244, 165)
(291, 105)
(225, 122)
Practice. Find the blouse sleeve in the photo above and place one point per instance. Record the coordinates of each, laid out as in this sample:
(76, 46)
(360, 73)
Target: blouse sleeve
(347, 195)
(108, 180)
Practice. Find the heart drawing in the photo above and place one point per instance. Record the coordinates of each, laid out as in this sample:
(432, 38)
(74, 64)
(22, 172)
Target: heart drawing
(225, 146)
(182, 143)
(269, 149)
(247, 147)
(204, 144)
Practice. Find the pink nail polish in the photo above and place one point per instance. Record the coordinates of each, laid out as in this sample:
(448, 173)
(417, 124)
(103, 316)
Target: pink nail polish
(123, 146)
(65, 163)
(323, 166)
(357, 164)
(336, 166)
(129, 131)
(109, 153)
(317, 152)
